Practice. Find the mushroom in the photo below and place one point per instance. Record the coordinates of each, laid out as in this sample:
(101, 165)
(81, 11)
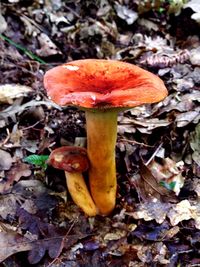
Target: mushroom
(74, 161)
(102, 88)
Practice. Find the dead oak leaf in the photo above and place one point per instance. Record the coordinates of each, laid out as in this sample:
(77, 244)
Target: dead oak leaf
(20, 169)
(185, 210)
(11, 242)
(151, 210)
(158, 211)
(14, 175)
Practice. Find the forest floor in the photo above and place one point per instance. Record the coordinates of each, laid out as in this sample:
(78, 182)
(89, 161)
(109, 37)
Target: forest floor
(156, 221)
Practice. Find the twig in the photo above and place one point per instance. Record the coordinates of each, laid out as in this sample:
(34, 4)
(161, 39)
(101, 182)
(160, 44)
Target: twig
(153, 155)
(133, 142)
(62, 244)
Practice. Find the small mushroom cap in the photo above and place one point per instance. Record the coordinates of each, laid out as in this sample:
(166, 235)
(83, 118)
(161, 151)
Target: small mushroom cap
(97, 83)
(69, 158)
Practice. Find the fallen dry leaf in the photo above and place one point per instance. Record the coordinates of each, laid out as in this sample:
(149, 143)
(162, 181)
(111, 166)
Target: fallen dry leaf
(8, 92)
(185, 118)
(181, 103)
(5, 160)
(29, 206)
(11, 243)
(128, 125)
(184, 210)
(115, 236)
(9, 204)
(18, 108)
(47, 47)
(168, 172)
(160, 250)
(149, 185)
(151, 210)
(157, 210)
(13, 175)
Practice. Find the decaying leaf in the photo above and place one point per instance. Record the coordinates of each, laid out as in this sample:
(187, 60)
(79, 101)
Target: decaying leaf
(30, 187)
(29, 206)
(13, 175)
(168, 172)
(47, 47)
(126, 14)
(160, 179)
(8, 92)
(185, 210)
(160, 250)
(115, 236)
(128, 125)
(17, 108)
(5, 160)
(151, 210)
(9, 204)
(182, 103)
(148, 186)
(11, 243)
(185, 118)
(157, 210)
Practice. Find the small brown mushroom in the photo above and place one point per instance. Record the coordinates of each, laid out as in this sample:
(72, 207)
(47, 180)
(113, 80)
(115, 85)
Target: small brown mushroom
(74, 161)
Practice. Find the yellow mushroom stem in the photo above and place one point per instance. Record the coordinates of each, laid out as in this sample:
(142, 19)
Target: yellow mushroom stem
(80, 193)
(101, 141)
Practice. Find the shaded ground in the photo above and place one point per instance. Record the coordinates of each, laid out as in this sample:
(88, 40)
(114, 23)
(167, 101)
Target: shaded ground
(156, 220)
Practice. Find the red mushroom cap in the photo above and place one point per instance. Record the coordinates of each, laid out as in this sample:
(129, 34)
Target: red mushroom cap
(69, 158)
(97, 83)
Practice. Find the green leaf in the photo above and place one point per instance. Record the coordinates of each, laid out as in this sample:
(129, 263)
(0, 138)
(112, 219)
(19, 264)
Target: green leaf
(38, 160)
(169, 186)
(161, 10)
